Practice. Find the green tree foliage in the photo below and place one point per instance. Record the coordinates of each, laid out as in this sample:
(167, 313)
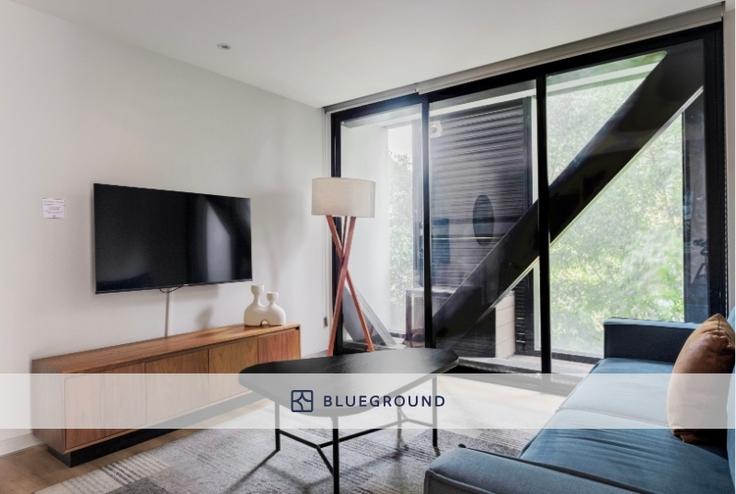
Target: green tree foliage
(623, 256)
(401, 220)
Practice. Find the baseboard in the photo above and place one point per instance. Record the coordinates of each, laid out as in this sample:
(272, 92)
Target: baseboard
(17, 443)
(79, 456)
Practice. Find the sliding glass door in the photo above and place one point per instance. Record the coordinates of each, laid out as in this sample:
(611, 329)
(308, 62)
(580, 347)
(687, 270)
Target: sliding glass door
(519, 212)
(639, 248)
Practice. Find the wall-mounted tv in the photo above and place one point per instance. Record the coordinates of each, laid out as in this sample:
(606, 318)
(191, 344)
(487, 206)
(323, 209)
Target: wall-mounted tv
(147, 238)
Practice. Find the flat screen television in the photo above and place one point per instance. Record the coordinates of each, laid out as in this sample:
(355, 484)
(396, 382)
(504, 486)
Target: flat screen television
(147, 238)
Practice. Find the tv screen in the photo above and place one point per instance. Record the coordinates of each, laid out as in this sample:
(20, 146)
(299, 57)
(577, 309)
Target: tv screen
(146, 238)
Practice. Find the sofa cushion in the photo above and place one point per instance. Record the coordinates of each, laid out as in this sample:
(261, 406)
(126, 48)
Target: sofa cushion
(651, 460)
(469, 471)
(644, 340)
(632, 366)
(709, 349)
(637, 399)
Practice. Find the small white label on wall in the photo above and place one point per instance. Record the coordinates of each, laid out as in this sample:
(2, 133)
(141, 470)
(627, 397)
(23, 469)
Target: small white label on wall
(53, 209)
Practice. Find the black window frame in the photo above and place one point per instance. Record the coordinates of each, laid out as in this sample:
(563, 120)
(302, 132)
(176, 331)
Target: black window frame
(711, 36)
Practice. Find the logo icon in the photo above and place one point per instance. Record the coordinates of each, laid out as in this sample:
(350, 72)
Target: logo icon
(302, 400)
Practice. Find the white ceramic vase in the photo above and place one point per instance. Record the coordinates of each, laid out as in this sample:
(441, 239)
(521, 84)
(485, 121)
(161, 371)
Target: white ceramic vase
(274, 313)
(255, 313)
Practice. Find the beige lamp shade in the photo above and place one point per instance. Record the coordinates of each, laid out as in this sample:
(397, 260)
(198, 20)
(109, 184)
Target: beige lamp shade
(343, 197)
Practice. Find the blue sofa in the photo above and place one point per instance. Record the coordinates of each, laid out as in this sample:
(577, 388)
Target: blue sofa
(580, 460)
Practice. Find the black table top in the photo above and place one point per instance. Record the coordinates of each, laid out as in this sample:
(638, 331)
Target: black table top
(351, 375)
(406, 361)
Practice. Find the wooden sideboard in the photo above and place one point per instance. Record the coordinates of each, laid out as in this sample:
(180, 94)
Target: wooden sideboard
(224, 350)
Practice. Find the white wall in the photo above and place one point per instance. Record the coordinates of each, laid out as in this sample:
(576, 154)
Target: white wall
(77, 108)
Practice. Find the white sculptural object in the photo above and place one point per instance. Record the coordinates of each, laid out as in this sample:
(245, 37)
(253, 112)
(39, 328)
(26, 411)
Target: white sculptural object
(255, 313)
(275, 314)
(258, 314)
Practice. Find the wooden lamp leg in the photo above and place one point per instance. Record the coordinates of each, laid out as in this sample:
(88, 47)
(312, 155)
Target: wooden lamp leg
(354, 294)
(341, 285)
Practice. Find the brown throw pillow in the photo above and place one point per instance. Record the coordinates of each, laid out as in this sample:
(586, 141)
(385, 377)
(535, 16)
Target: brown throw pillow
(709, 349)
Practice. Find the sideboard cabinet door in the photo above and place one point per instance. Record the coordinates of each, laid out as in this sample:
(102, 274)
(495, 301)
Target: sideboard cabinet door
(284, 345)
(165, 397)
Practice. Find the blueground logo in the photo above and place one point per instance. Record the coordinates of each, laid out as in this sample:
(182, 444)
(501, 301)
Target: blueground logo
(302, 400)
(382, 401)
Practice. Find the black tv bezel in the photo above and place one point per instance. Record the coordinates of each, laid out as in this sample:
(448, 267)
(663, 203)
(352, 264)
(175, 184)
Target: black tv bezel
(159, 287)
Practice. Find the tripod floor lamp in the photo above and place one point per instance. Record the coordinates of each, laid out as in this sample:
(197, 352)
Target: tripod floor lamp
(350, 198)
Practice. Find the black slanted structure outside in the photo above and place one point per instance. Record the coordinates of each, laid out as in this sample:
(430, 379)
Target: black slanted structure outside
(662, 96)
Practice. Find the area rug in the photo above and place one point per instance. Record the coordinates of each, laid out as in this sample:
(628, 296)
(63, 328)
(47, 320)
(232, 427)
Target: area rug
(242, 461)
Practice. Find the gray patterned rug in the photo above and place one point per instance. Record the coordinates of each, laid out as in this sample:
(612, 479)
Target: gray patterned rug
(241, 461)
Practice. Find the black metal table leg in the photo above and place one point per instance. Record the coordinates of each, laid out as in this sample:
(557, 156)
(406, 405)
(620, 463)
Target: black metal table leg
(434, 412)
(277, 425)
(335, 457)
(399, 420)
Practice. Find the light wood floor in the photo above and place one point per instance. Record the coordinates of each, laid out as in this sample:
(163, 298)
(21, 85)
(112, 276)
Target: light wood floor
(35, 468)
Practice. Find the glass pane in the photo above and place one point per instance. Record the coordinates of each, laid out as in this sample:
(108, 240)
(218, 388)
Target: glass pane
(386, 259)
(637, 249)
(482, 176)
(579, 102)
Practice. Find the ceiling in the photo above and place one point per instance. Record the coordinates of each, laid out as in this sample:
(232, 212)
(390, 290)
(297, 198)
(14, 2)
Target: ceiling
(322, 52)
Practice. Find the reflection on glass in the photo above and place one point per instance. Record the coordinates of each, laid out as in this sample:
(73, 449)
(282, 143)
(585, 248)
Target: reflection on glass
(386, 259)
(637, 250)
(482, 176)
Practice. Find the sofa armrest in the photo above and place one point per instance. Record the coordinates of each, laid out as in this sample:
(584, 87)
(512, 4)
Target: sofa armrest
(465, 470)
(645, 340)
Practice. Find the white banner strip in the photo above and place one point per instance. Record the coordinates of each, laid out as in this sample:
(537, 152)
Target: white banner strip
(362, 401)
